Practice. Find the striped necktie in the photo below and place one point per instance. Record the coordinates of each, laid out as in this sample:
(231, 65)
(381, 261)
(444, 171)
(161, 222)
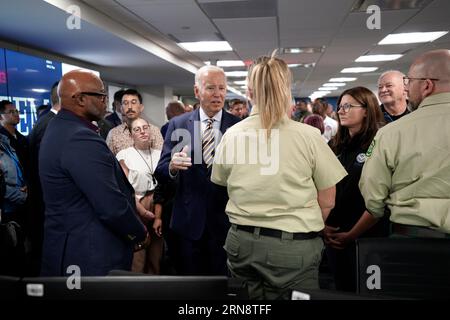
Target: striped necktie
(208, 143)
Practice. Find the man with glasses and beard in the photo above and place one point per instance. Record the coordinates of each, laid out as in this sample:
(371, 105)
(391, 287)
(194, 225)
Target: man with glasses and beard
(407, 166)
(90, 212)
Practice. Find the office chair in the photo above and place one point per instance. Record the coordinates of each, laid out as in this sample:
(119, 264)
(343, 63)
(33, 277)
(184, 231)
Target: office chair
(404, 267)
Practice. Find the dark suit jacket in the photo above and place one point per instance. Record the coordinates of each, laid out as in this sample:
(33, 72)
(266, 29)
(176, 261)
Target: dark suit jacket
(198, 202)
(90, 217)
(35, 216)
(114, 119)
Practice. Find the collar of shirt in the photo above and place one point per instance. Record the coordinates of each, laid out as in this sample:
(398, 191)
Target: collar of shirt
(54, 111)
(217, 119)
(437, 98)
(87, 123)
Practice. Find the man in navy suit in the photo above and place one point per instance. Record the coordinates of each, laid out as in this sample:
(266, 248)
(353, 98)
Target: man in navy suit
(90, 214)
(115, 118)
(198, 215)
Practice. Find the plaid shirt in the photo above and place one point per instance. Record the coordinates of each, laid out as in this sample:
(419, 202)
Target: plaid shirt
(119, 138)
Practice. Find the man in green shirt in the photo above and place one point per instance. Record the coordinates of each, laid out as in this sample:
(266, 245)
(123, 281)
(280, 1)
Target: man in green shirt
(408, 165)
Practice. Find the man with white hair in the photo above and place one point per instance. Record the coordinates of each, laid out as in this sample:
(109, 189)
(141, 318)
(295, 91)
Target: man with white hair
(392, 94)
(198, 215)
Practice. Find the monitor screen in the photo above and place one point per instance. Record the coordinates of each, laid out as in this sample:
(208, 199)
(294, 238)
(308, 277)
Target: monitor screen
(26, 81)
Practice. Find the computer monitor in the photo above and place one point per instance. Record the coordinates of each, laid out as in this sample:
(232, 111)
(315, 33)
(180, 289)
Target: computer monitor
(404, 267)
(128, 288)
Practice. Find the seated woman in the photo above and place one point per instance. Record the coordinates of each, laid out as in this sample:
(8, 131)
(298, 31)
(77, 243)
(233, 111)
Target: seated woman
(139, 163)
(359, 119)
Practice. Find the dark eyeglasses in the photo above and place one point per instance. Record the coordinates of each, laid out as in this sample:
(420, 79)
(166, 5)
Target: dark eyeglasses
(406, 79)
(346, 106)
(13, 111)
(101, 95)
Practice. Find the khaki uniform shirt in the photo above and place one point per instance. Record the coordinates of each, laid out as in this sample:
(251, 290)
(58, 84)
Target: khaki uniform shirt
(408, 167)
(274, 184)
(119, 138)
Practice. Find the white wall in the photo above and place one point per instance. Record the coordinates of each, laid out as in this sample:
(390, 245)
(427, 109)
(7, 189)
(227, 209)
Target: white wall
(155, 100)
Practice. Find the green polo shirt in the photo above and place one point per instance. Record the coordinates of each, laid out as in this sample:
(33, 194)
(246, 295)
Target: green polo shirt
(273, 183)
(408, 167)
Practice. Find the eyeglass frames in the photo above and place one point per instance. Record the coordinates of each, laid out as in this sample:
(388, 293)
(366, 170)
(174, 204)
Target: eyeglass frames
(347, 106)
(407, 79)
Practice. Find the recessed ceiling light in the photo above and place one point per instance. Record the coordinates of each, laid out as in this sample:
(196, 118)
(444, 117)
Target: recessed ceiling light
(230, 63)
(327, 88)
(359, 69)
(378, 57)
(334, 84)
(304, 50)
(342, 79)
(208, 63)
(206, 46)
(305, 65)
(236, 73)
(412, 37)
(235, 91)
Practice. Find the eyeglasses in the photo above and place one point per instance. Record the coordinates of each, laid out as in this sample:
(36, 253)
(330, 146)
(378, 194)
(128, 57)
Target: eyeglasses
(406, 79)
(12, 111)
(346, 106)
(101, 95)
(133, 102)
(141, 129)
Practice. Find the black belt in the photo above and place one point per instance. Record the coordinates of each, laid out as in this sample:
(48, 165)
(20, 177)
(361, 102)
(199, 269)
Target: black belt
(417, 231)
(278, 233)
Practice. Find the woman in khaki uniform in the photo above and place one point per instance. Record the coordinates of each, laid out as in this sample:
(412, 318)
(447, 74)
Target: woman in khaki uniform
(281, 178)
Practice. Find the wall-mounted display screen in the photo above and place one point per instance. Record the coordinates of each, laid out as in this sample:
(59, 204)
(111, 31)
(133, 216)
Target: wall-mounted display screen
(26, 81)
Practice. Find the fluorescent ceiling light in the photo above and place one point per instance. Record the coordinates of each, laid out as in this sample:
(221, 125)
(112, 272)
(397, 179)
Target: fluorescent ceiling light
(294, 65)
(206, 46)
(359, 69)
(241, 82)
(236, 73)
(327, 88)
(244, 87)
(208, 63)
(342, 79)
(235, 91)
(378, 57)
(334, 84)
(303, 50)
(230, 63)
(321, 93)
(412, 37)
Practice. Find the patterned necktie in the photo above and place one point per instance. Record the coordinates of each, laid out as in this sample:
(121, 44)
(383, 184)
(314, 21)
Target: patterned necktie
(208, 143)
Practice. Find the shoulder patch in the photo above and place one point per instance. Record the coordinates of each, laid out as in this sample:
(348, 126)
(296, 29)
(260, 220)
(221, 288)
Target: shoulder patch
(370, 150)
(361, 158)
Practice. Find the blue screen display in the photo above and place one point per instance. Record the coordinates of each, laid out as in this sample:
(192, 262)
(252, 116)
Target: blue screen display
(29, 81)
(3, 87)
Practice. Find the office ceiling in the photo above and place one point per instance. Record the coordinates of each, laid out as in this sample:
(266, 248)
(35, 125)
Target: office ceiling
(120, 37)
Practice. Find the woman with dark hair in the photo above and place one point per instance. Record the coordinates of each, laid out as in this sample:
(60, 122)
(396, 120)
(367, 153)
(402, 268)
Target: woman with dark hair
(359, 117)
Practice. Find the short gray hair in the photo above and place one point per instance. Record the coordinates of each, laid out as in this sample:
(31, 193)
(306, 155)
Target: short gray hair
(205, 69)
(401, 74)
